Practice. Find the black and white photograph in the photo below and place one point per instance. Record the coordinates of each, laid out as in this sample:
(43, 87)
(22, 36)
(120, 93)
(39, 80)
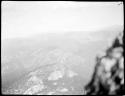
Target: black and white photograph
(62, 48)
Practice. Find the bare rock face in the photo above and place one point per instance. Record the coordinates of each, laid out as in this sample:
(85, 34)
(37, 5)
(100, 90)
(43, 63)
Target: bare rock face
(51, 79)
(108, 77)
(63, 67)
(56, 75)
(34, 89)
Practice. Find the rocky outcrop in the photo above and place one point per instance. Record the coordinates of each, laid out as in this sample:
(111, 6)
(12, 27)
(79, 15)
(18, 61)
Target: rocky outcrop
(46, 80)
(108, 76)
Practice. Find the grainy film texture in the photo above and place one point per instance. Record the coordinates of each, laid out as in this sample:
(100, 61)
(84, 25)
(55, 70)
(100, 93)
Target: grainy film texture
(62, 48)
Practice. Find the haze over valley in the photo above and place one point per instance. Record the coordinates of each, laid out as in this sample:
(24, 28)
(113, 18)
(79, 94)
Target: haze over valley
(50, 47)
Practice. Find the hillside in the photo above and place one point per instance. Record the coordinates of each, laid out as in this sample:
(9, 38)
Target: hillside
(72, 52)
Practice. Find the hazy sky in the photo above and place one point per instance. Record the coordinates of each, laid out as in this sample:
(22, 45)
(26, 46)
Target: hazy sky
(21, 18)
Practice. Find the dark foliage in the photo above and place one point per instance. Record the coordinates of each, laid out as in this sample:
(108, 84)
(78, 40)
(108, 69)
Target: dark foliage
(109, 82)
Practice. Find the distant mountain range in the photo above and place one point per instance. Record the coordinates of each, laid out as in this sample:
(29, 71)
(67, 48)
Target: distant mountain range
(73, 51)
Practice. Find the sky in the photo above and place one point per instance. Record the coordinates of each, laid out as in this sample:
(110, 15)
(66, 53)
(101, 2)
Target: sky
(26, 18)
